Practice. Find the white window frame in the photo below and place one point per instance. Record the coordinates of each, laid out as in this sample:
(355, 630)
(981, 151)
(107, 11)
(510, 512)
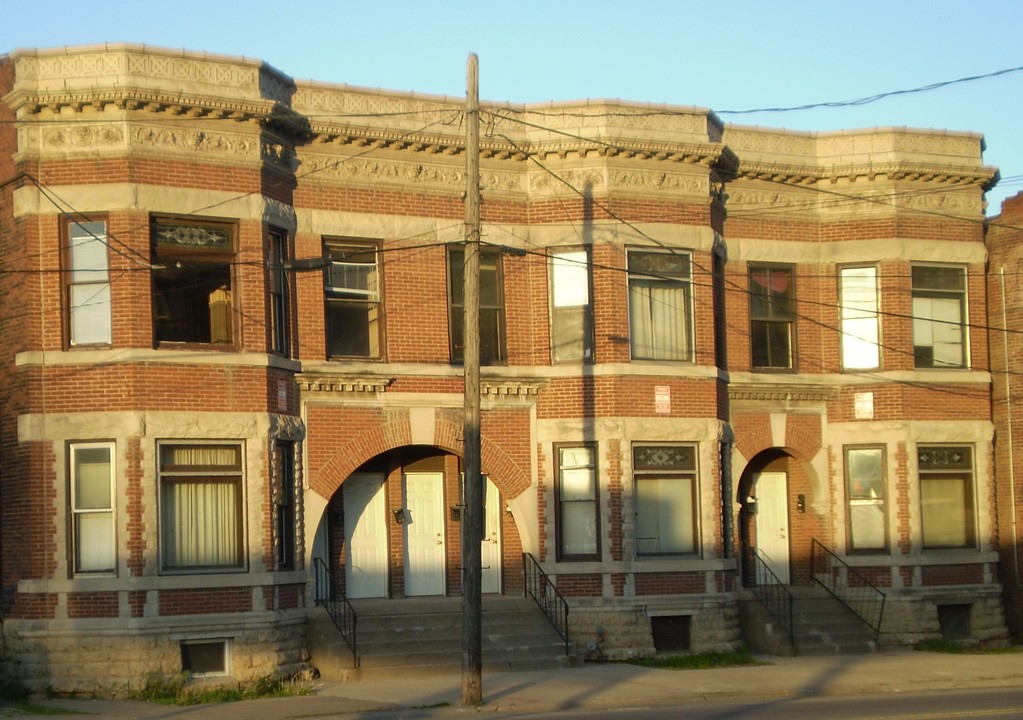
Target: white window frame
(577, 499)
(866, 497)
(99, 518)
(88, 284)
(859, 317)
(364, 296)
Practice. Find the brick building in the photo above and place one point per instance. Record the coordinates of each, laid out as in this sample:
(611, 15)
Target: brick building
(702, 343)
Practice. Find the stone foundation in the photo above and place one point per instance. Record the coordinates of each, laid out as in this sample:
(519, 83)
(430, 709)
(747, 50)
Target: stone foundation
(910, 619)
(623, 632)
(106, 664)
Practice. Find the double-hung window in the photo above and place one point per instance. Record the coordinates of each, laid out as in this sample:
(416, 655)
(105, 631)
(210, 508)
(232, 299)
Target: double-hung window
(571, 309)
(92, 510)
(88, 284)
(353, 295)
(576, 496)
(772, 317)
(492, 322)
(865, 487)
(278, 284)
(660, 305)
(666, 499)
(192, 282)
(939, 316)
(201, 523)
(861, 349)
(946, 496)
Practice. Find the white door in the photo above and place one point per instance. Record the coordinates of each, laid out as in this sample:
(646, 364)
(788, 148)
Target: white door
(490, 551)
(424, 533)
(365, 535)
(773, 521)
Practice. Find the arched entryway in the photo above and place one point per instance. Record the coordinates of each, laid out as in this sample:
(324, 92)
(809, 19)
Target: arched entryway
(776, 496)
(393, 529)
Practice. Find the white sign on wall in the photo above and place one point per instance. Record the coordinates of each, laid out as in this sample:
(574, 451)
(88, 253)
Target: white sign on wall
(662, 399)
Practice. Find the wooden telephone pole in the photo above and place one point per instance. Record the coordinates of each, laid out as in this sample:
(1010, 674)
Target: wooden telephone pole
(472, 513)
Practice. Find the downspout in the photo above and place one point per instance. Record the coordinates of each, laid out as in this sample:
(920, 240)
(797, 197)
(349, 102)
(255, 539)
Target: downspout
(1008, 417)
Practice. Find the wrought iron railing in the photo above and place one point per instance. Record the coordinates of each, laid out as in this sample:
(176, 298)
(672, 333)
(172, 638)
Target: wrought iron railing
(771, 591)
(546, 595)
(848, 585)
(328, 593)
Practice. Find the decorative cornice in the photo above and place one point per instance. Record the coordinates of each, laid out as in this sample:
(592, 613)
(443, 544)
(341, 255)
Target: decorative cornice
(324, 383)
(505, 388)
(783, 394)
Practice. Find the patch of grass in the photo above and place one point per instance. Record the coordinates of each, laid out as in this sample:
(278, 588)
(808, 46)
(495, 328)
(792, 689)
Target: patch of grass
(178, 690)
(699, 661)
(942, 645)
(16, 696)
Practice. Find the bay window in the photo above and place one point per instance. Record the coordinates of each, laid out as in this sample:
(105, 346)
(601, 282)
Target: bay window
(353, 296)
(571, 309)
(859, 318)
(92, 509)
(577, 507)
(87, 279)
(939, 316)
(772, 317)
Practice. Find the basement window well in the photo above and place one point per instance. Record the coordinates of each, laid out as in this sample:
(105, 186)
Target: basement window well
(671, 633)
(204, 658)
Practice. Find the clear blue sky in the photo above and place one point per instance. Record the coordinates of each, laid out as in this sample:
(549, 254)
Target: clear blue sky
(730, 55)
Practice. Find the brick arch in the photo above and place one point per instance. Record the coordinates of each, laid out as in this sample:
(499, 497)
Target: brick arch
(753, 435)
(502, 469)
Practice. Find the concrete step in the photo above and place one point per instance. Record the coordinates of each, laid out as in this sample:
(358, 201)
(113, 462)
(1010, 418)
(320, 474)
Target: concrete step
(424, 636)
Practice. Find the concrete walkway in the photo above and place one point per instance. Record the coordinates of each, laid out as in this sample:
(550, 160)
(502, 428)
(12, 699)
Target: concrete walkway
(599, 687)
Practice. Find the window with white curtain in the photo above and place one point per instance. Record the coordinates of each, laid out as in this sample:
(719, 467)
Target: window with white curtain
(201, 525)
(666, 499)
(939, 316)
(946, 496)
(861, 348)
(88, 284)
(92, 510)
(660, 305)
(576, 488)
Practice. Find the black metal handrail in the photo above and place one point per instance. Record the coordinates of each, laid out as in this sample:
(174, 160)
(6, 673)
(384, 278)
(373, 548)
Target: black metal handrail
(848, 585)
(328, 593)
(771, 591)
(546, 595)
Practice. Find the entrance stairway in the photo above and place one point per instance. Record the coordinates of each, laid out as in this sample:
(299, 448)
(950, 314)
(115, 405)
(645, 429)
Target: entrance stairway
(822, 626)
(417, 636)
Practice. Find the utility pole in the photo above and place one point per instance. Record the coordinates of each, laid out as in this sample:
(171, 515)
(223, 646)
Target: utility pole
(472, 513)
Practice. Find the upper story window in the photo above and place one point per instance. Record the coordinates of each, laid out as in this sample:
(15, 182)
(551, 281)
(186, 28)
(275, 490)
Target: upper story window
(279, 331)
(939, 316)
(571, 309)
(772, 317)
(353, 295)
(92, 507)
(192, 282)
(492, 323)
(865, 487)
(660, 305)
(201, 522)
(578, 513)
(861, 349)
(666, 499)
(87, 284)
(946, 496)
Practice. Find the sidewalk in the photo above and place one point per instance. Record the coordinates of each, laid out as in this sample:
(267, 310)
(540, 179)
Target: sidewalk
(601, 687)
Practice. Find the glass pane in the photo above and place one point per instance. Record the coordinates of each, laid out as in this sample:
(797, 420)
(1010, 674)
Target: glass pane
(90, 314)
(939, 278)
(944, 505)
(200, 524)
(770, 344)
(569, 334)
(490, 280)
(92, 478)
(88, 252)
(866, 469)
(94, 542)
(200, 456)
(577, 484)
(578, 528)
(353, 328)
(860, 341)
(659, 264)
(491, 336)
(581, 456)
(866, 518)
(658, 321)
(665, 515)
(570, 272)
(192, 303)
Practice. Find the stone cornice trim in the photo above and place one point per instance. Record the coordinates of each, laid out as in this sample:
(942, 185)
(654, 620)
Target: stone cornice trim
(325, 383)
(983, 175)
(779, 393)
(511, 388)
